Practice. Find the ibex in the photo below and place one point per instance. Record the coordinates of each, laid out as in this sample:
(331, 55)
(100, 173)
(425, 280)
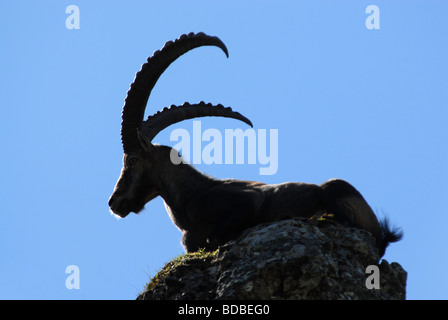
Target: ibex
(209, 212)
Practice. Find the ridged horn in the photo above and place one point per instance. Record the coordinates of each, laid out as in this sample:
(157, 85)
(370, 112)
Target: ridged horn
(146, 78)
(174, 114)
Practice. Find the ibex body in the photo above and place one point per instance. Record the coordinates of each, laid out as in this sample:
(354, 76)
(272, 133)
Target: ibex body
(208, 211)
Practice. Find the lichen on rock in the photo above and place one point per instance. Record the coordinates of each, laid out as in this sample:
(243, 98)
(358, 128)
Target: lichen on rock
(290, 259)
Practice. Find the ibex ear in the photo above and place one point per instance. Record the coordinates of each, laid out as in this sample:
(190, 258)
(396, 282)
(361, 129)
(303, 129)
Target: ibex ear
(144, 141)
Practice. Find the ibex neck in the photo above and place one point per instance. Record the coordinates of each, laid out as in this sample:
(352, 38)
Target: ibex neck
(180, 183)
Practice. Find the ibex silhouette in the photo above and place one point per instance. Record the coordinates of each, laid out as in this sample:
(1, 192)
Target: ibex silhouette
(208, 211)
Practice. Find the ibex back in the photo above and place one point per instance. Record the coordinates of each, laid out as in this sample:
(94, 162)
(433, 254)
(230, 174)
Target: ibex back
(209, 211)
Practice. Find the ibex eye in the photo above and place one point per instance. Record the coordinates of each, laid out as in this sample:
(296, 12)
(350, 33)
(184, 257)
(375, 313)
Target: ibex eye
(132, 161)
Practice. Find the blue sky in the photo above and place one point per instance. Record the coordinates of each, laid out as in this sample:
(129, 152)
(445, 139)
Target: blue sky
(367, 106)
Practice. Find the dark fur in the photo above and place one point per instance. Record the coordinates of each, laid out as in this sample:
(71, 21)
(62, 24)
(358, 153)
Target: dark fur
(210, 212)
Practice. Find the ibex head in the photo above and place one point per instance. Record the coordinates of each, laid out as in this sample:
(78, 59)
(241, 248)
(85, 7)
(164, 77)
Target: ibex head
(141, 175)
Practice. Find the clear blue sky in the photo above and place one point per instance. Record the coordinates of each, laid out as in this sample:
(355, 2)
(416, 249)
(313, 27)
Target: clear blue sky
(368, 106)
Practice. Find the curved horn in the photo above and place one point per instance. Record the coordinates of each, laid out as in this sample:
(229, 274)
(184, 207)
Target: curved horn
(174, 114)
(146, 78)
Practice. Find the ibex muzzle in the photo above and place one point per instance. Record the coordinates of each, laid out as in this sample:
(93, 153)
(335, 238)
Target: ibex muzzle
(208, 211)
(132, 191)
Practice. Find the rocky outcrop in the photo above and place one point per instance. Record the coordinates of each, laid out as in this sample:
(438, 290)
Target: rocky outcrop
(291, 259)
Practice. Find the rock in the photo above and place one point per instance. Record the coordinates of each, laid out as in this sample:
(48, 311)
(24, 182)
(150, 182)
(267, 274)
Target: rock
(290, 259)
